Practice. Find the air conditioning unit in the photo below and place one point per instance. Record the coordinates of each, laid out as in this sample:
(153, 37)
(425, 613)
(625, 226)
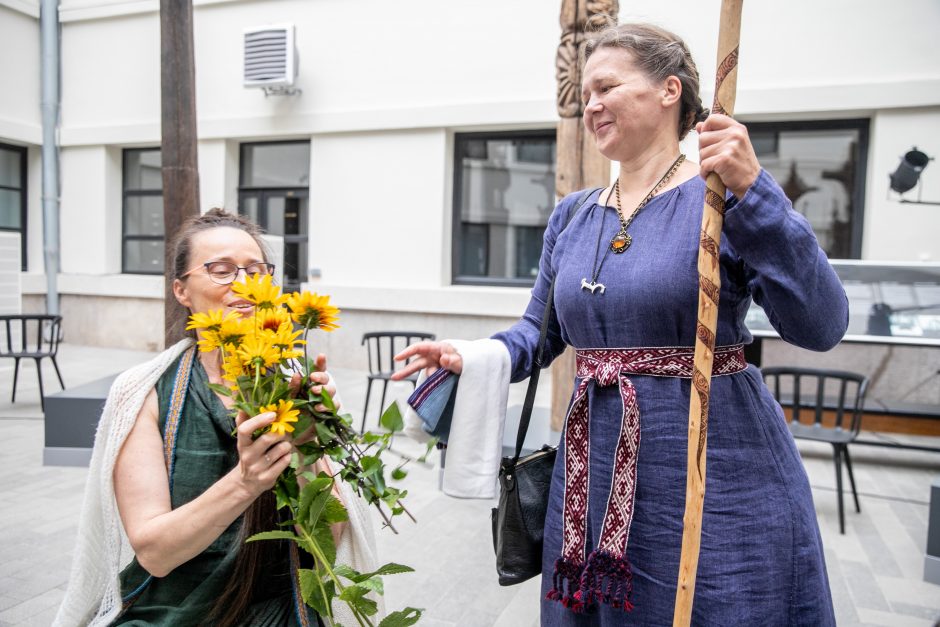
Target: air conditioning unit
(271, 59)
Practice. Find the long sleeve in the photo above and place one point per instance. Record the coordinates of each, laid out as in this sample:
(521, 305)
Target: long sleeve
(784, 268)
(521, 339)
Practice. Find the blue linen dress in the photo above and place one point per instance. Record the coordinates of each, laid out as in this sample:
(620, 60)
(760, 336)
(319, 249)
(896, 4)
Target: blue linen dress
(761, 560)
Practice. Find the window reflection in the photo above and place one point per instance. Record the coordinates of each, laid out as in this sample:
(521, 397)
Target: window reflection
(504, 194)
(818, 165)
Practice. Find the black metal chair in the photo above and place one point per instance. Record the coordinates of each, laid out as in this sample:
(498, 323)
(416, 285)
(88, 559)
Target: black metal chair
(382, 347)
(31, 336)
(836, 418)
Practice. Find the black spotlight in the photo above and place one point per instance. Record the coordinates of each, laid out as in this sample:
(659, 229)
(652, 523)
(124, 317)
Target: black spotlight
(912, 164)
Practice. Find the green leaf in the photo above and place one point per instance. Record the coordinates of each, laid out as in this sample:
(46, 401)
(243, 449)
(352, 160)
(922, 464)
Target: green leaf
(273, 535)
(430, 447)
(334, 512)
(398, 474)
(314, 496)
(402, 618)
(327, 400)
(294, 460)
(374, 584)
(355, 596)
(393, 569)
(391, 418)
(342, 570)
(324, 539)
(220, 389)
(312, 592)
(325, 434)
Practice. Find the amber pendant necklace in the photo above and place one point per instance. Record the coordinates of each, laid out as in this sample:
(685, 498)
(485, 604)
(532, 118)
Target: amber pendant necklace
(622, 240)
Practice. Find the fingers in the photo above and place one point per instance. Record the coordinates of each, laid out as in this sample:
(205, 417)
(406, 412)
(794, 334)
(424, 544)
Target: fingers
(320, 362)
(725, 149)
(247, 426)
(412, 367)
(424, 348)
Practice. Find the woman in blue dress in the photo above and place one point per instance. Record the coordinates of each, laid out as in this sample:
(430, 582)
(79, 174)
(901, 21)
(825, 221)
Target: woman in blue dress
(625, 298)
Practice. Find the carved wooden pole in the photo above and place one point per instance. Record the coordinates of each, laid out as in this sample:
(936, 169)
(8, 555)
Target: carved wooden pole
(579, 164)
(178, 139)
(729, 34)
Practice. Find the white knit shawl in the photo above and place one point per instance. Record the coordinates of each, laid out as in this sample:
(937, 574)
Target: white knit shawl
(93, 596)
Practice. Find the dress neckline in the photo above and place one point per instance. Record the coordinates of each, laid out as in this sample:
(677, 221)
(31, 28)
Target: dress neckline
(664, 194)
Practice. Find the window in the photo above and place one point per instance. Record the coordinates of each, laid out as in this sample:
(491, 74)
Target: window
(13, 194)
(274, 185)
(142, 230)
(821, 168)
(504, 192)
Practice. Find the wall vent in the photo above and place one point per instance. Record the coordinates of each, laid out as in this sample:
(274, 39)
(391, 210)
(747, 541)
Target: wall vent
(270, 59)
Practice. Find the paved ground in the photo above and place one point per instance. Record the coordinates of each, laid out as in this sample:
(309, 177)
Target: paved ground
(875, 569)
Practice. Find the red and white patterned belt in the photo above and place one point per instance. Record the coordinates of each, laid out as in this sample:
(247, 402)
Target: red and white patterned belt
(583, 578)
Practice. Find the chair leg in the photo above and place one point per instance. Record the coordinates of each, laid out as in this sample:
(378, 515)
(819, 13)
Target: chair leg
(57, 373)
(848, 466)
(382, 402)
(837, 456)
(42, 396)
(365, 410)
(16, 373)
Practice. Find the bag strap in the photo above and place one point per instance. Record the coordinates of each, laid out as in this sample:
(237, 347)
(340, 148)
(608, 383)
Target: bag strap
(537, 366)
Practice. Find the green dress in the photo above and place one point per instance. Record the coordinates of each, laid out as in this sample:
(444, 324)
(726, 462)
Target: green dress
(205, 451)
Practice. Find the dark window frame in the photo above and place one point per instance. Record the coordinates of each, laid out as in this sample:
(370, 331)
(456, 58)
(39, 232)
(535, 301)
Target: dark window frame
(125, 193)
(456, 222)
(262, 193)
(863, 127)
(22, 189)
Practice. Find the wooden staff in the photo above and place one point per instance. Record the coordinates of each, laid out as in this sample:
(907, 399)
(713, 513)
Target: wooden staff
(729, 34)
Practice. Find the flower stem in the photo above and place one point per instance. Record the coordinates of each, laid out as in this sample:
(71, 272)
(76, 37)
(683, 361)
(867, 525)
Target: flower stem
(318, 553)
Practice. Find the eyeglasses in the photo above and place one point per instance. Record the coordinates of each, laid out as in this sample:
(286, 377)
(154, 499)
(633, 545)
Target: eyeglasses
(224, 272)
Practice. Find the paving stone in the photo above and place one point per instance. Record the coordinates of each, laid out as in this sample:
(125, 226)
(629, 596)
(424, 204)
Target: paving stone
(871, 567)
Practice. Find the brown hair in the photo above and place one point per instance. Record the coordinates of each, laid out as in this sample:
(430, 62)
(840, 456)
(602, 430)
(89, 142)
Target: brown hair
(230, 607)
(660, 54)
(182, 245)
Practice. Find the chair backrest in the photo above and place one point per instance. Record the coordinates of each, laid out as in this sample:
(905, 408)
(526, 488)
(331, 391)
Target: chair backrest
(382, 347)
(818, 391)
(36, 335)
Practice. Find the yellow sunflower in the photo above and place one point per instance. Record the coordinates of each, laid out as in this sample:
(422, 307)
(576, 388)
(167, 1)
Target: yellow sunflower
(271, 319)
(209, 321)
(313, 311)
(257, 352)
(209, 341)
(286, 340)
(259, 290)
(232, 368)
(233, 332)
(286, 414)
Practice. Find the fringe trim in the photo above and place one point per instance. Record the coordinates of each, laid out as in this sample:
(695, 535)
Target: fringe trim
(565, 585)
(608, 579)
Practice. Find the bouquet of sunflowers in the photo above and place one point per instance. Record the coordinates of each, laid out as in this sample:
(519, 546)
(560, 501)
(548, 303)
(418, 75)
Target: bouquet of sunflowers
(261, 355)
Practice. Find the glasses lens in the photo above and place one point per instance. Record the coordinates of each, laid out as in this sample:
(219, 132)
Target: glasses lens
(222, 271)
(260, 268)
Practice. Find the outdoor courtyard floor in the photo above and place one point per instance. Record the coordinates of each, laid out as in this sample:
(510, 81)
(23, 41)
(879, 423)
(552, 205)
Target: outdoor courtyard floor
(875, 569)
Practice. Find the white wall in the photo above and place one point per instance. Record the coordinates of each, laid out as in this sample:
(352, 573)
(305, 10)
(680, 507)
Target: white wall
(903, 231)
(385, 87)
(20, 119)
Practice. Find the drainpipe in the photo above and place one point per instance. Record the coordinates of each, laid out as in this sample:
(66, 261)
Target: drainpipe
(49, 55)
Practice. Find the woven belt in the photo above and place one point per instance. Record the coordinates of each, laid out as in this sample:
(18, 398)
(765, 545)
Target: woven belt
(605, 574)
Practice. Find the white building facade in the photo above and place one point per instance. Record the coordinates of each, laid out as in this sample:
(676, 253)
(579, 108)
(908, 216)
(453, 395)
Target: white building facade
(412, 175)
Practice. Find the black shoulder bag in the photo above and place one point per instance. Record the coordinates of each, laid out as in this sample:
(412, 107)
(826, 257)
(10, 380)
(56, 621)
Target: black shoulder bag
(519, 519)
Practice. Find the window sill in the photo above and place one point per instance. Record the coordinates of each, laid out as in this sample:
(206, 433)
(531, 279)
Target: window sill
(115, 285)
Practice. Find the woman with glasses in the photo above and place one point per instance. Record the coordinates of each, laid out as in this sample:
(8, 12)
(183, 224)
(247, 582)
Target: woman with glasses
(187, 525)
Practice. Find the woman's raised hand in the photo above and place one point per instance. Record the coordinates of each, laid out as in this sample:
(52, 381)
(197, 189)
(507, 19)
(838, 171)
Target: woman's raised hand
(725, 149)
(260, 460)
(428, 355)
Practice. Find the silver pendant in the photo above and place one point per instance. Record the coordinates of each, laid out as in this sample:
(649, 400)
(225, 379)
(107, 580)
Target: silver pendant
(593, 286)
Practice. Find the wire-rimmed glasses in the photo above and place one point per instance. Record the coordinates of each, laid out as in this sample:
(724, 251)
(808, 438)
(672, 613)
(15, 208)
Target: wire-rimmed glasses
(225, 272)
